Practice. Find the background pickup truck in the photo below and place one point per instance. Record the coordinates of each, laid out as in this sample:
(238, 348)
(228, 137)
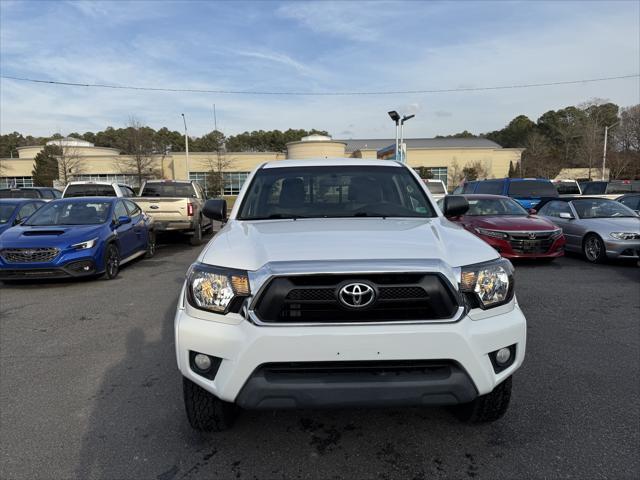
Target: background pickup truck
(175, 206)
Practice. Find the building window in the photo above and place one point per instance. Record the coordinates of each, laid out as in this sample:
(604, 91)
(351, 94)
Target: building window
(437, 173)
(16, 182)
(233, 181)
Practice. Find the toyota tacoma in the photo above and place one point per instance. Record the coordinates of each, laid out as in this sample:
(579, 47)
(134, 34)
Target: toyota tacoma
(340, 283)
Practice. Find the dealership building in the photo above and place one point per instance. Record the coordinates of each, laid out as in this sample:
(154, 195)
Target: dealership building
(441, 156)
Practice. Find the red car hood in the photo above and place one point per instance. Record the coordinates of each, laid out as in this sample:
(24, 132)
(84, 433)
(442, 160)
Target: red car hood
(508, 223)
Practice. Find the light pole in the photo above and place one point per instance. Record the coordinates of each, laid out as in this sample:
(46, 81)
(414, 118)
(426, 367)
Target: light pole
(186, 144)
(396, 118)
(404, 119)
(604, 152)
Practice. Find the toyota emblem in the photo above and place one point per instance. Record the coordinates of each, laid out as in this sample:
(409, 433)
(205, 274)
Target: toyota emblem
(356, 295)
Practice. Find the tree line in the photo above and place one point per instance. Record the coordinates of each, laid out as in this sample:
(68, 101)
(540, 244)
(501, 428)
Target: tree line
(572, 137)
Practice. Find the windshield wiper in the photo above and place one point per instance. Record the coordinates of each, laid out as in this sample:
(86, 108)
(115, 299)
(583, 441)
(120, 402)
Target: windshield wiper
(370, 214)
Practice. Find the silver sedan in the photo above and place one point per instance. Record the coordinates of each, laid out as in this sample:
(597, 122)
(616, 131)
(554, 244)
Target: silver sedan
(596, 227)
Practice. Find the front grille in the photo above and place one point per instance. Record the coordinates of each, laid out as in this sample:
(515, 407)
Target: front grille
(29, 255)
(315, 299)
(531, 242)
(437, 369)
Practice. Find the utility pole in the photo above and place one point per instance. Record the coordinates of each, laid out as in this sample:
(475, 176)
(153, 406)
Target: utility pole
(396, 118)
(186, 144)
(604, 152)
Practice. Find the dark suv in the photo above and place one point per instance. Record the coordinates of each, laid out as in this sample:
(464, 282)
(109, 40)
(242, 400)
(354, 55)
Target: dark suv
(45, 193)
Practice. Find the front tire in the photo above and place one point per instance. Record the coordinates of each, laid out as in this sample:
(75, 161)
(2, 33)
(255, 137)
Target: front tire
(593, 249)
(111, 262)
(206, 412)
(196, 239)
(487, 408)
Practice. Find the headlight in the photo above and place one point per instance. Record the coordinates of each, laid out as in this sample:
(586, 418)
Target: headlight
(556, 233)
(491, 233)
(488, 285)
(216, 289)
(625, 235)
(85, 245)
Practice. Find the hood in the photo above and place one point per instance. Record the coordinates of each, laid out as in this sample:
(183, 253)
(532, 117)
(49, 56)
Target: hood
(48, 236)
(248, 245)
(510, 223)
(621, 224)
(5, 226)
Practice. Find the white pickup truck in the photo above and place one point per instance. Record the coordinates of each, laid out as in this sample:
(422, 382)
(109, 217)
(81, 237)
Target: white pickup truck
(175, 206)
(340, 283)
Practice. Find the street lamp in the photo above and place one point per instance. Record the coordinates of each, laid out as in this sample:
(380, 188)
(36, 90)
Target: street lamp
(404, 119)
(186, 144)
(396, 118)
(604, 153)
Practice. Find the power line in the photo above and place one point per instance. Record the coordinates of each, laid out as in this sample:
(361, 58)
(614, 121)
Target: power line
(319, 94)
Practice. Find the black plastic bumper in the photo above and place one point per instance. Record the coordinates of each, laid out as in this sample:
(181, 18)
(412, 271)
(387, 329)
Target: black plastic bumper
(73, 269)
(356, 384)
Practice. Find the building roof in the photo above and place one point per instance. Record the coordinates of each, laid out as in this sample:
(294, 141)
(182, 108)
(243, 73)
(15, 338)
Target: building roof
(434, 143)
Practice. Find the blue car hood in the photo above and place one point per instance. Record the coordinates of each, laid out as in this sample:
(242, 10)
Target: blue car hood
(4, 227)
(49, 236)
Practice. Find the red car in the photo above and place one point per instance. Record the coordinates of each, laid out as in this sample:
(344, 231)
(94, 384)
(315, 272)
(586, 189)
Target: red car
(510, 229)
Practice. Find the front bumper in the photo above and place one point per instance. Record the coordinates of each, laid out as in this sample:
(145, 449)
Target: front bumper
(506, 250)
(76, 268)
(622, 248)
(245, 349)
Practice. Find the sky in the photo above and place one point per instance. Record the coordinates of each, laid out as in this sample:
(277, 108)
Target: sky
(310, 47)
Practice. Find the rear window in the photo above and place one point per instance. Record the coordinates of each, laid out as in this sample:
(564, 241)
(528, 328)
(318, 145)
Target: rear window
(168, 189)
(594, 188)
(623, 187)
(469, 187)
(532, 188)
(89, 190)
(567, 188)
(19, 194)
(435, 187)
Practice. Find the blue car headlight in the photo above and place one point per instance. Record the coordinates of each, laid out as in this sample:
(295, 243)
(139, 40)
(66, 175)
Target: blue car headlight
(85, 245)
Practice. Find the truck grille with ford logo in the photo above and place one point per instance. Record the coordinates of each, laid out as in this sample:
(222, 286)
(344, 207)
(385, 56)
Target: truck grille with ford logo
(29, 255)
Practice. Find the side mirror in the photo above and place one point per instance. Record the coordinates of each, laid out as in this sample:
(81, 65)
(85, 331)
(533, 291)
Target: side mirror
(532, 211)
(215, 209)
(566, 216)
(18, 221)
(454, 206)
(123, 219)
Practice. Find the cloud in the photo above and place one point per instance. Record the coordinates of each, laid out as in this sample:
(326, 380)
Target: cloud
(278, 58)
(442, 113)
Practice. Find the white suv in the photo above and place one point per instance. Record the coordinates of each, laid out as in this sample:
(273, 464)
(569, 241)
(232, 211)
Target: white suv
(340, 283)
(97, 189)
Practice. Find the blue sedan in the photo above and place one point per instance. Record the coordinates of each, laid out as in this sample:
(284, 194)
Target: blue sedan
(76, 237)
(14, 211)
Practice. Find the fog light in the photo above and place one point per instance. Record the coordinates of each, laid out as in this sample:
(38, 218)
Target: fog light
(502, 356)
(202, 361)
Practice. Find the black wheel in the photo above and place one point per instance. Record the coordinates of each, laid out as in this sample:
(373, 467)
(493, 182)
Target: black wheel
(487, 408)
(594, 249)
(111, 261)
(206, 412)
(196, 238)
(151, 244)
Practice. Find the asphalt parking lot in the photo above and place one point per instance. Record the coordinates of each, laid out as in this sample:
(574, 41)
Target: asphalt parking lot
(89, 389)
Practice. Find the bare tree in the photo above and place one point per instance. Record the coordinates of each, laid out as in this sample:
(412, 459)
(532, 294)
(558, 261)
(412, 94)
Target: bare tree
(538, 159)
(139, 160)
(218, 165)
(70, 162)
(455, 174)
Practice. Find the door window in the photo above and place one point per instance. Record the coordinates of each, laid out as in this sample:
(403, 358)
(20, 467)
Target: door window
(120, 210)
(134, 210)
(554, 209)
(491, 187)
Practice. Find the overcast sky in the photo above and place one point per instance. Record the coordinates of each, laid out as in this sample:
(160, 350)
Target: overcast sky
(310, 47)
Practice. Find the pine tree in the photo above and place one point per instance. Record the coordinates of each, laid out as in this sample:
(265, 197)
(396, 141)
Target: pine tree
(45, 169)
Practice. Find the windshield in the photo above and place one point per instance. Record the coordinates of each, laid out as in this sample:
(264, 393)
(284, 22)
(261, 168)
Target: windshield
(494, 206)
(532, 188)
(567, 188)
(601, 208)
(168, 189)
(6, 210)
(349, 191)
(71, 213)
